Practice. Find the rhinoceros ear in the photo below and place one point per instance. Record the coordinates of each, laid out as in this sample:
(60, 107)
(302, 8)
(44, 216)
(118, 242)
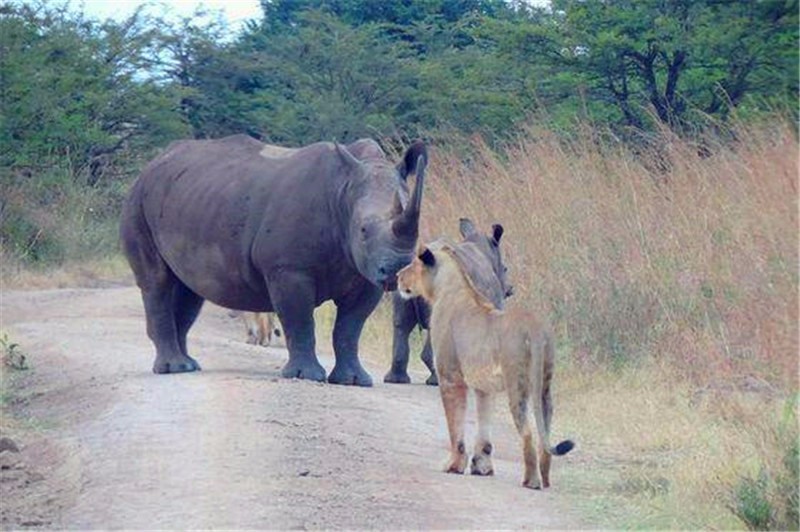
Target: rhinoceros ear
(346, 156)
(497, 233)
(466, 227)
(427, 258)
(408, 165)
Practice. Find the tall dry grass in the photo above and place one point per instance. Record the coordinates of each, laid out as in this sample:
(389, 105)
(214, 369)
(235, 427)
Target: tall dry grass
(671, 280)
(663, 254)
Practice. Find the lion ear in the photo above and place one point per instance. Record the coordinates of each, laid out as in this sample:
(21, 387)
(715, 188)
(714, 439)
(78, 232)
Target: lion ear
(427, 258)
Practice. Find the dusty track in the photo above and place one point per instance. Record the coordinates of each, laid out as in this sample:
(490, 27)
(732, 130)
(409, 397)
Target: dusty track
(108, 444)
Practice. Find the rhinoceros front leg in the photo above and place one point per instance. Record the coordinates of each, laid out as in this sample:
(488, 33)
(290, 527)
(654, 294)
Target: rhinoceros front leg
(351, 314)
(292, 296)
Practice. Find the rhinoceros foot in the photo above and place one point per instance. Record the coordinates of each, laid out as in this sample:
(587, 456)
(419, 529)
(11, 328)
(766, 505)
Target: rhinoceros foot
(397, 377)
(178, 364)
(303, 369)
(349, 373)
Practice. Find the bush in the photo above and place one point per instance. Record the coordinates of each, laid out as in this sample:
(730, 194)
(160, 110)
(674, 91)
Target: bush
(751, 504)
(49, 218)
(769, 500)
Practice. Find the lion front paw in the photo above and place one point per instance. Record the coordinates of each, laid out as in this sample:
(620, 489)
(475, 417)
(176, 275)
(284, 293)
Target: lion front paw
(532, 483)
(481, 466)
(456, 464)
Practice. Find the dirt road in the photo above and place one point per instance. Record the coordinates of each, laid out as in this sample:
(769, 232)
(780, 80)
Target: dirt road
(108, 444)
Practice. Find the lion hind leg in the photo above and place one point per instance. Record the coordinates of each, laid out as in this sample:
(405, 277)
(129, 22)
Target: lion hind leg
(541, 376)
(251, 326)
(519, 413)
(264, 320)
(482, 455)
(519, 395)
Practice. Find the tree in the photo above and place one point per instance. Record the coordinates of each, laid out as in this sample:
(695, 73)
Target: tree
(325, 79)
(71, 92)
(631, 61)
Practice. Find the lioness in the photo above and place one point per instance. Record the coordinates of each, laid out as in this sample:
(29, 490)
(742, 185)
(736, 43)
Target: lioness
(477, 346)
(263, 328)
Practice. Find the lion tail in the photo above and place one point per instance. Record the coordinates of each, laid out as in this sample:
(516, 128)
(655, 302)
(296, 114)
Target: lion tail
(541, 375)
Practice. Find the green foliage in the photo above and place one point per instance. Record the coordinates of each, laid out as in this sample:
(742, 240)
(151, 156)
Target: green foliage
(670, 60)
(74, 94)
(24, 237)
(12, 355)
(751, 504)
(771, 500)
(52, 218)
(328, 80)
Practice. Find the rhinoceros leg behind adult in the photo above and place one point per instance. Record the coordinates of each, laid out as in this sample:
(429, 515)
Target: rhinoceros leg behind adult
(170, 306)
(423, 311)
(404, 319)
(427, 358)
(351, 313)
(407, 314)
(292, 295)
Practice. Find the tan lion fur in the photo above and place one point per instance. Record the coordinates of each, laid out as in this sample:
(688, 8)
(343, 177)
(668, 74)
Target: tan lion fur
(478, 347)
(262, 328)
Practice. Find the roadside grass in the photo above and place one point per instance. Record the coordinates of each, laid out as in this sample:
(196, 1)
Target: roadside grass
(53, 224)
(89, 273)
(655, 452)
(14, 364)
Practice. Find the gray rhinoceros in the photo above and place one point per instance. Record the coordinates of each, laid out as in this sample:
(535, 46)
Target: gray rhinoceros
(254, 228)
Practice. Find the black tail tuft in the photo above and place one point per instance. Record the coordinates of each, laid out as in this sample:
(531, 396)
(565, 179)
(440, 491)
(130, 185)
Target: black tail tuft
(564, 447)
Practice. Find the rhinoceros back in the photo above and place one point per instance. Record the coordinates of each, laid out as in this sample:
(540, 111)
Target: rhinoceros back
(206, 203)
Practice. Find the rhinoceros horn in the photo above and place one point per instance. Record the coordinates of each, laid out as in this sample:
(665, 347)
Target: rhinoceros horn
(406, 224)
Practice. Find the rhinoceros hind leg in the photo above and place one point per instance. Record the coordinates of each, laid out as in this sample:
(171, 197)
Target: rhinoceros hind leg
(163, 329)
(187, 308)
(171, 308)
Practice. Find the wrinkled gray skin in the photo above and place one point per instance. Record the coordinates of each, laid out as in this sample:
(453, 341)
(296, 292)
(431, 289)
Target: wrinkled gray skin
(409, 313)
(219, 220)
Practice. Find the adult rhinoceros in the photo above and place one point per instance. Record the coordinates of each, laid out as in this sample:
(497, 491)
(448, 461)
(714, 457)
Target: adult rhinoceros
(252, 228)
